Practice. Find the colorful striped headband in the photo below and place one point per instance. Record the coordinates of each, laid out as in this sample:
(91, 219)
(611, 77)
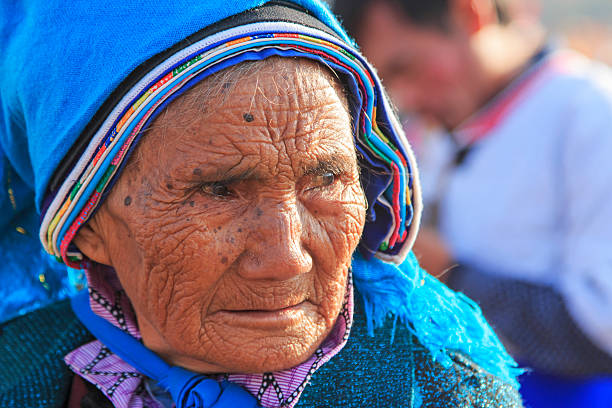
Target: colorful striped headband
(389, 177)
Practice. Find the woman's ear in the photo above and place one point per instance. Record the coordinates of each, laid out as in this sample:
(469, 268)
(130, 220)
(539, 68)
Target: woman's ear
(92, 245)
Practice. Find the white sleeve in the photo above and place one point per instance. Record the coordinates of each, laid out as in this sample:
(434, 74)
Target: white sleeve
(585, 279)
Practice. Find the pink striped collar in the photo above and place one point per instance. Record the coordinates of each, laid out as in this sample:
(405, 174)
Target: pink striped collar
(480, 124)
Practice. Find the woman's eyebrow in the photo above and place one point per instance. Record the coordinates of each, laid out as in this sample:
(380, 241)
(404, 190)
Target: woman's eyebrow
(337, 163)
(225, 175)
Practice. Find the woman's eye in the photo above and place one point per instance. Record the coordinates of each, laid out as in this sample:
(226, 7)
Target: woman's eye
(216, 190)
(324, 180)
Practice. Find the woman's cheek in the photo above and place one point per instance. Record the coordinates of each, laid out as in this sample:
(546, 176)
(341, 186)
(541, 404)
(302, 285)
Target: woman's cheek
(185, 254)
(343, 224)
(349, 219)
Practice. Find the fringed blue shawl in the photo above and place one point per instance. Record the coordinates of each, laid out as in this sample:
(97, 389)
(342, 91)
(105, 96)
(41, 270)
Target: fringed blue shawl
(444, 321)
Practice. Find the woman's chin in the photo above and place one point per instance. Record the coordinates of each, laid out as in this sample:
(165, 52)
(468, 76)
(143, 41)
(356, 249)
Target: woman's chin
(248, 351)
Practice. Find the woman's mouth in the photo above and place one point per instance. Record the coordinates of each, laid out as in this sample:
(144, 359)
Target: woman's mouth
(271, 318)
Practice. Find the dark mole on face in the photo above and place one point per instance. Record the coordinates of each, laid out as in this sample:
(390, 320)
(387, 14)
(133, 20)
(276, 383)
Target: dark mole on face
(191, 203)
(169, 186)
(224, 259)
(258, 212)
(127, 201)
(197, 172)
(248, 117)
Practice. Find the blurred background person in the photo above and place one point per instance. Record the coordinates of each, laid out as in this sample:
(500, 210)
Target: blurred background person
(522, 202)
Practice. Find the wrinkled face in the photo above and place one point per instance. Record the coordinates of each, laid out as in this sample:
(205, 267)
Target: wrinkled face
(426, 69)
(232, 228)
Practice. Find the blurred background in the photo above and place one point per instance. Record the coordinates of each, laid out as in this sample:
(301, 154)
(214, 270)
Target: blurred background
(512, 134)
(585, 25)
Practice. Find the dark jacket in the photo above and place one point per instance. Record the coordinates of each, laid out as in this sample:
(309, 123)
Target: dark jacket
(368, 372)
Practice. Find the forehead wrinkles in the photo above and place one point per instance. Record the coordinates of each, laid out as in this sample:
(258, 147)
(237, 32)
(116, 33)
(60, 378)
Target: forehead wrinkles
(292, 105)
(302, 110)
(266, 79)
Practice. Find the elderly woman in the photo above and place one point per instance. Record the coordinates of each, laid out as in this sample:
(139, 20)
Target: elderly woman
(238, 192)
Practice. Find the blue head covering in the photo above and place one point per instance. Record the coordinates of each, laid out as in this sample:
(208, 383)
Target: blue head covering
(51, 51)
(75, 78)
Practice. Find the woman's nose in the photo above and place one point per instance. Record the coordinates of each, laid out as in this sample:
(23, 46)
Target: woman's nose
(276, 249)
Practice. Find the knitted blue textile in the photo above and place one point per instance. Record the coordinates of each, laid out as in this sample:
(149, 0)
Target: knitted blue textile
(443, 320)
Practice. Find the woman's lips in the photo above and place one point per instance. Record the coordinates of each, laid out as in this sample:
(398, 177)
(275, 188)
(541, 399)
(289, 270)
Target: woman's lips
(268, 318)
